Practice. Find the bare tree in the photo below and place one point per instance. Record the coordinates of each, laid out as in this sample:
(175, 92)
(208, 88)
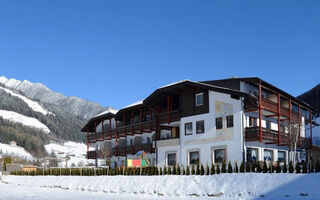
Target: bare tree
(106, 153)
(292, 137)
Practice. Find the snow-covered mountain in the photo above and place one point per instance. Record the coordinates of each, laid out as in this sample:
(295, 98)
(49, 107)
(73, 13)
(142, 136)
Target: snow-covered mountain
(73, 105)
(33, 115)
(15, 151)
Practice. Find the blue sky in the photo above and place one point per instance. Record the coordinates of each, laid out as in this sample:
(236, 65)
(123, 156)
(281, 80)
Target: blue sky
(117, 52)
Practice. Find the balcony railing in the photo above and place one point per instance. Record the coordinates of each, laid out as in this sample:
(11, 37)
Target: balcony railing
(252, 134)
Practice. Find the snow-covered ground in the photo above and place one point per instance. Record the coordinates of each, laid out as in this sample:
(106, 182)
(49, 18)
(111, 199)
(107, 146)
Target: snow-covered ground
(15, 151)
(76, 151)
(32, 104)
(223, 186)
(24, 120)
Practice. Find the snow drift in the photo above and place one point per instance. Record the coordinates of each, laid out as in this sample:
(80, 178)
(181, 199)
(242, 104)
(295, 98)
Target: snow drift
(224, 186)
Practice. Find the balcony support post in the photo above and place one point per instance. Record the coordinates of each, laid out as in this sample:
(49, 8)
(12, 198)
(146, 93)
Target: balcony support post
(260, 113)
(310, 121)
(279, 114)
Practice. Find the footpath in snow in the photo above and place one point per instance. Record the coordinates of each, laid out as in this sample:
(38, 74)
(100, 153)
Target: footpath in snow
(222, 186)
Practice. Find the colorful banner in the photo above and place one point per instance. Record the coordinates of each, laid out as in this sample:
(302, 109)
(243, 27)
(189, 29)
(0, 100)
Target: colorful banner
(136, 163)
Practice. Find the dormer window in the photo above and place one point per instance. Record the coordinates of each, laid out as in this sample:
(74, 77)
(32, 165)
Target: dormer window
(199, 99)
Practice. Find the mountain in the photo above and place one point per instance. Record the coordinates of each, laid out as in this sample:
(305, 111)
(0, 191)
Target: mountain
(33, 115)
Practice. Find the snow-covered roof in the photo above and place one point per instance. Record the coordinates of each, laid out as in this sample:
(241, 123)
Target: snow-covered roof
(174, 83)
(108, 110)
(134, 104)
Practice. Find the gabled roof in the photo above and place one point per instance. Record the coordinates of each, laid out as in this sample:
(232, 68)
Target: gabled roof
(109, 112)
(185, 83)
(264, 83)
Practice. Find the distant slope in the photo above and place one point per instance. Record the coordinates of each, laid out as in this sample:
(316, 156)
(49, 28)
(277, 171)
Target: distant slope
(312, 97)
(15, 151)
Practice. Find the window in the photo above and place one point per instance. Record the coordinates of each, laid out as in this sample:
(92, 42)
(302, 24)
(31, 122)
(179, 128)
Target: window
(219, 123)
(199, 99)
(188, 128)
(281, 156)
(194, 158)
(268, 155)
(219, 155)
(229, 121)
(200, 126)
(171, 159)
(268, 124)
(252, 155)
(252, 122)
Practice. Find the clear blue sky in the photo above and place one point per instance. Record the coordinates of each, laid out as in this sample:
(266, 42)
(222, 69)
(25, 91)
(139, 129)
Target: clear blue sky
(117, 52)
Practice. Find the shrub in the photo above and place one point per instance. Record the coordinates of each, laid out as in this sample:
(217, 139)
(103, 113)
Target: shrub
(178, 170)
(278, 168)
(271, 168)
(265, 167)
(223, 168)
(242, 167)
(217, 169)
(198, 170)
(160, 173)
(317, 166)
(253, 167)
(183, 171)
(291, 169)
(230, 170)
(169, 170)
(284, 168)
(207, 170)
(192, 170)
(311, 170)
(165, 172)
(248, 167)
(236, 169)
(188, 171)
(213, 170)
(298, 169)
(201, 170)
(304, 168)
(7, 160)
(258, 167)
(174, 170)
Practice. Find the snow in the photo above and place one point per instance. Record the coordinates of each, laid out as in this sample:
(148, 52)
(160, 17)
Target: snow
(76, 151)
(32, 104)
(134, 104)
(222, 186)
(15, 151)
(24, 120)
(108, 110)
(174, 83)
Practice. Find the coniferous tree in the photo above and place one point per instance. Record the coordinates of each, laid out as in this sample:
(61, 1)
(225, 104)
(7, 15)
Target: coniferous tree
(188, 171)
(248, 167)
(311, 170)
(304, 168)
(298, 168)
(258, 167)
(207, 170)
(192, 170)
(217, 169)
(213, 170)
(230, 170)
(265, 167)
(169, 170)
(178, 170)
(317, 166)
(160, 171)
(165, 172)
(223, 168)
(198, 170)
(278, 168)
(201, 170)
(242, 167)
(284, 168)
(174, 170)
(253, 167)
(183, 171)
(236, 169)
(291, 169)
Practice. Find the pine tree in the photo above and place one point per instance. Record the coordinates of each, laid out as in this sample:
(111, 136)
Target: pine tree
(311, 170)
(242, 167)
(284, 168)
(265, 167)
(213, 170)
(169, 170)
(156, 172)
(207, 170)
(192, 170)
(217, 169)
(317, 166)
(183, 171)
(248, 167)
(165, 170)
(278, 168)
(198, 170)
(259, 168)
(160, 172)
(201, 170)
(178, 170)
(291, 169)
(223, 168)
(298, 169)
(188, 171)
(253, 167)
(174, 170)
(304, 168)
(236, 169)
(230, 170)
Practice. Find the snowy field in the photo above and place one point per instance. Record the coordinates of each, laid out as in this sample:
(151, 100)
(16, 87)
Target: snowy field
(15, 151)
(223, 187)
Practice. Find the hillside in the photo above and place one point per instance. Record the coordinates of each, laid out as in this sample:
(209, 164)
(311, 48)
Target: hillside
(33, 115)
(312, 97)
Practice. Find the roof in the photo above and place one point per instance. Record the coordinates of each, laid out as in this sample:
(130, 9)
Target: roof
(109, 110)
(184, 83)
(133, 104)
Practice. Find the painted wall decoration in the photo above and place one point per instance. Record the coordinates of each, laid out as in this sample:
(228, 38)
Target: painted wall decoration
(223, 110)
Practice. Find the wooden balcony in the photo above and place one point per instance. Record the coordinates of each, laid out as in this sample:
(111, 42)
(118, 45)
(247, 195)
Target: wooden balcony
(122, 151)
(252, 134)
(172, 116)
